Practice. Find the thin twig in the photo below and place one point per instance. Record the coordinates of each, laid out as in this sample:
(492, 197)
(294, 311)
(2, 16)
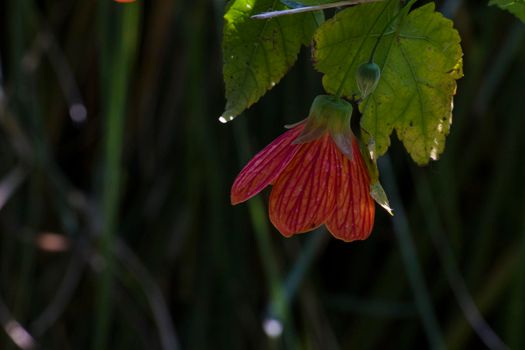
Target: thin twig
(272, 14)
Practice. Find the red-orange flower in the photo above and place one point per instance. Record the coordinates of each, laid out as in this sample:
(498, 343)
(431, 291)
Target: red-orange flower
(318, 176)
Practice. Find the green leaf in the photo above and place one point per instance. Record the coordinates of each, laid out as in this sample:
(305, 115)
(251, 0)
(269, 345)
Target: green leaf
(258, 53)
(516, 7)
(420, 60)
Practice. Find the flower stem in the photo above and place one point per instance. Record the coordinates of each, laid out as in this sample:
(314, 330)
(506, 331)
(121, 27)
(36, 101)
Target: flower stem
(403, 11)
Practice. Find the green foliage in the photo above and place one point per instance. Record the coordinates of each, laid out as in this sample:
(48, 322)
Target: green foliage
(420, 59)
(516, 7)
(418, 53)
(258, 53)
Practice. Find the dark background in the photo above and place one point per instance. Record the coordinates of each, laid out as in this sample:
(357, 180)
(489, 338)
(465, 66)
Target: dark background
(166, 262)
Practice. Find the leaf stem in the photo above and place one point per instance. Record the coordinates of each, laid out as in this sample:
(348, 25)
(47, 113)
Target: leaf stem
(403, 10)
(339, 92)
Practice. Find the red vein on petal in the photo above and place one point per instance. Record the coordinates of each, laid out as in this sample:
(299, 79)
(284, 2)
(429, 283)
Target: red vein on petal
(300, 200)
(361, 205)
(352, 218)
(370, 204)
(262, 169)
(343, 214)
(366, 202)
(358, 207)
(292, 181)
(304, 176)
(354, 195)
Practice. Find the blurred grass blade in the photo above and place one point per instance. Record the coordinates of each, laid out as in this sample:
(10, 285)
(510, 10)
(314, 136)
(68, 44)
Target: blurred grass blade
(456, 281)
(10, 183)
(116, 68)
(273, 322)
(159, 308)
(412, 265)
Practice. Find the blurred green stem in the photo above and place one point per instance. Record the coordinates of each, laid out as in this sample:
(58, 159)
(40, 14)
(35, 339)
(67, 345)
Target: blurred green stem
(448, 261)
(412, 265)
(496, 194)
(497, 283)
(259, 221)
(119, 63)
(281, 294)
(308, 254)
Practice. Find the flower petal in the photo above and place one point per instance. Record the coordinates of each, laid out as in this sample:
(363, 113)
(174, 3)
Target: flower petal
(265, 166)
(353, 215)
(303, 196)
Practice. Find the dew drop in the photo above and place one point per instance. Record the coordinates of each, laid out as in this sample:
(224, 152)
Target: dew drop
(224, 120)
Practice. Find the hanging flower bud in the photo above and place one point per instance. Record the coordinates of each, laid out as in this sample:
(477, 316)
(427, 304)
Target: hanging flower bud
(318, 175)
(367, 77)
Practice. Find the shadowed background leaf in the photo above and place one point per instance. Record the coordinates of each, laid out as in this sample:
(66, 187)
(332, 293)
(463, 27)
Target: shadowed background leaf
(516, 7)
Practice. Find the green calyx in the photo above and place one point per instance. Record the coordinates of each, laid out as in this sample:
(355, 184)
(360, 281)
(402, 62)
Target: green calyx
(329, 114)
(367, 77)
(332, 111)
